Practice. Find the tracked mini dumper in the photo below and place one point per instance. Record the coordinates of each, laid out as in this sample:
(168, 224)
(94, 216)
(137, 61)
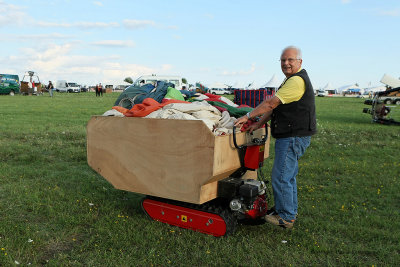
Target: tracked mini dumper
(190, 177)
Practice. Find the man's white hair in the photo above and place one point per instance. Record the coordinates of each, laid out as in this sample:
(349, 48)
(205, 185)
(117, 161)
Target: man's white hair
(299, 55)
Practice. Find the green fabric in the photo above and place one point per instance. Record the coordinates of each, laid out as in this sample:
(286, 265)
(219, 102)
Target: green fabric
(173, 93)
(235, 112)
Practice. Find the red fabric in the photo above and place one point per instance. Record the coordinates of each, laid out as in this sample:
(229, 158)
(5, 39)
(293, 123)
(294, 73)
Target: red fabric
(221, 109)
(212, 96)
(148, 106)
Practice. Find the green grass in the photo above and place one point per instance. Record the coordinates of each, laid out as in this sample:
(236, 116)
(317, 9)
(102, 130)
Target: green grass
(55, 210)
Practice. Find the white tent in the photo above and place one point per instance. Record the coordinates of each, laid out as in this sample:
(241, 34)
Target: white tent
(240, 85)
(273, 83)
(375, 89)
(219, 85)
(329, 89)
(251, 86)
(328, 86)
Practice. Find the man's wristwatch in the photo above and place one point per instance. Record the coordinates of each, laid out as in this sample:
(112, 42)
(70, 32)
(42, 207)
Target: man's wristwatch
(248, 115)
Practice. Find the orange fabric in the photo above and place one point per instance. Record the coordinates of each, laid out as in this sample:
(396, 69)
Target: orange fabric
(170, 101)
(148, 106)
(120, 109)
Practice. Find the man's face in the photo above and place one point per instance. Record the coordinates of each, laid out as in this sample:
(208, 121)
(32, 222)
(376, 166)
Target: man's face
(289, 62)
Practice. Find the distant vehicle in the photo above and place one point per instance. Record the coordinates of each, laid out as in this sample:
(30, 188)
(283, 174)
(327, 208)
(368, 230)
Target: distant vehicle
(379, 109)
(394, 96)
(152, 79)
(9, 84)
(322, 93)
(219, 91)
(120, 87)
(68, 87)
(84, 88)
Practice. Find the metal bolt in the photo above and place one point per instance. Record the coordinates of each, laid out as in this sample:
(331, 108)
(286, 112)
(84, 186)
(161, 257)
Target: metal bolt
(177, 216)
(162, 212)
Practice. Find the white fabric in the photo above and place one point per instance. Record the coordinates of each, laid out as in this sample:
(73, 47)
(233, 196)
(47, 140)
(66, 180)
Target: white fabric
(212, 117)
(113, 112)
(200, 97)
(229, 102)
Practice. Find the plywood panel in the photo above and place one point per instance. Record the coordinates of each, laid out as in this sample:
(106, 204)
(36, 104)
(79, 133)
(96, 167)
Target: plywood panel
(175, 159)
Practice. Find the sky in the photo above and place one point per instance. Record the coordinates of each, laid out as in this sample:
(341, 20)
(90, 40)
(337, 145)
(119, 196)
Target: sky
(234, 42)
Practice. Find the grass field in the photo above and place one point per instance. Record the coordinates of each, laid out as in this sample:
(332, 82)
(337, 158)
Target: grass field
(55, 210)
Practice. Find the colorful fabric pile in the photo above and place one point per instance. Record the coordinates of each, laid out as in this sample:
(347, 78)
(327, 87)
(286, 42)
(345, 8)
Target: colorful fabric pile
(165, 102)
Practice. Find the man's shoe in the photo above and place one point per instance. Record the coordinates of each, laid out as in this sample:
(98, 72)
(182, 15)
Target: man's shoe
(277, 220)
(271, 211)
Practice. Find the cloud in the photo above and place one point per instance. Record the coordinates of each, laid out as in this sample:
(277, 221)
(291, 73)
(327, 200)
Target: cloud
(59, 62)
(12, 14)
(138, 24)
(115, 43)
(389, 13)
(97, 3)
(40, 37)
(240, 72)
(209, 16)
(82, 24)
(345, 1)
(166, 67)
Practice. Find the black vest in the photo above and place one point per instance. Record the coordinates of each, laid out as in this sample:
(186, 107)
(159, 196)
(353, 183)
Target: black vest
(296, 118)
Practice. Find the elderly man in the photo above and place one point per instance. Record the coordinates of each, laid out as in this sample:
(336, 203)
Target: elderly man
(293, 121)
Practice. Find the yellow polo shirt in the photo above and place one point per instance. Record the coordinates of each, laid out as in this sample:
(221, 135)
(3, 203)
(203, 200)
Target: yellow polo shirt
(292, 90)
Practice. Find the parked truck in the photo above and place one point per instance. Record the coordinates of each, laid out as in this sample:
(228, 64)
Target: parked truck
(67, 87)
(179, 82)
(9, 84)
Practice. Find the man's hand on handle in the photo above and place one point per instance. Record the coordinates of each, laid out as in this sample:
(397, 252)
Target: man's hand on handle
(250, 128)
(242, 120)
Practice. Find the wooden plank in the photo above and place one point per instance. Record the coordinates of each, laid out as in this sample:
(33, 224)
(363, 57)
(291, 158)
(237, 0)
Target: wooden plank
(158, 157)
(175, 159)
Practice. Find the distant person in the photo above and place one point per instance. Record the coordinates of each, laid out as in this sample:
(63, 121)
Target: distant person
(99, 90)
(50, 87)
(34, 87)
(293, 122)
(30, 87)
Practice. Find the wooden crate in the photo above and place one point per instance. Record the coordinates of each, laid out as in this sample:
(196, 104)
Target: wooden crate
(175, 159)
